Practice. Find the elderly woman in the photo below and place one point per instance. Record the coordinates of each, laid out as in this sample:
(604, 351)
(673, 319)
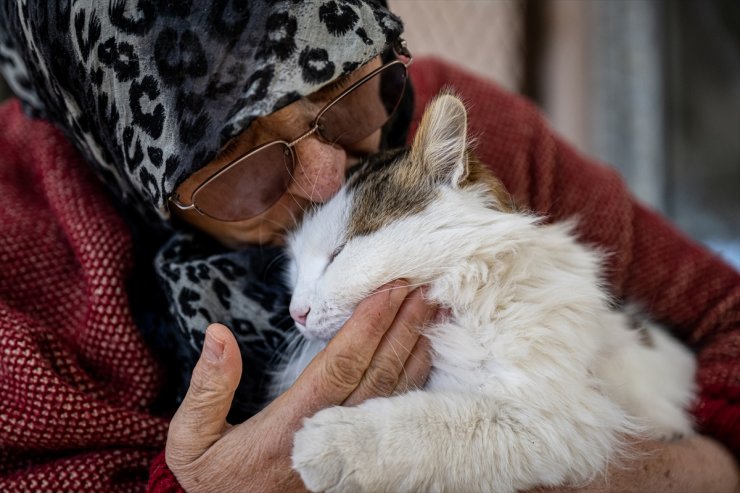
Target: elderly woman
(210, 129)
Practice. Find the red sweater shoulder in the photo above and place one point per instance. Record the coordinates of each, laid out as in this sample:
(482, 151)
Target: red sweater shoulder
(76, 379)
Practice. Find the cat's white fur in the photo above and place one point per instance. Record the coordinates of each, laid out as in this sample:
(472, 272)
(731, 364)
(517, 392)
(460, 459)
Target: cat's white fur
(536, 379)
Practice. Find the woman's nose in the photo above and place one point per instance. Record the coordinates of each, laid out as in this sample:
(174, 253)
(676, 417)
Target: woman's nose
(319, 169)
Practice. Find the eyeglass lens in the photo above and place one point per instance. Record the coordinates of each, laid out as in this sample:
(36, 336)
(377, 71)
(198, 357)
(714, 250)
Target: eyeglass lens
(256, 181)
(365, 109)
(249, 187)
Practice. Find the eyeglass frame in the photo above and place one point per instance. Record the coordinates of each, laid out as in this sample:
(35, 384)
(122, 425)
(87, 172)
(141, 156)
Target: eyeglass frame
(399, 48)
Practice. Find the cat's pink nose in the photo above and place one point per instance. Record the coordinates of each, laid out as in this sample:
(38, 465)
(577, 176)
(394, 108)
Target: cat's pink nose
(300, 314)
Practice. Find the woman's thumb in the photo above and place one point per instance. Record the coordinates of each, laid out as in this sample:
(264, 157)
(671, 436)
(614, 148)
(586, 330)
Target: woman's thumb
(201, 418)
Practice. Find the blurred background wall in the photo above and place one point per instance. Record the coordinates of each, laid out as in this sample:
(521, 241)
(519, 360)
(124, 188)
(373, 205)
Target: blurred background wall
(651, 87)
(486, 36)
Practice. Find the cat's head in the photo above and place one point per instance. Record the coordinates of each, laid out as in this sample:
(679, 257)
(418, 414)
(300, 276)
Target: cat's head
(397, 216)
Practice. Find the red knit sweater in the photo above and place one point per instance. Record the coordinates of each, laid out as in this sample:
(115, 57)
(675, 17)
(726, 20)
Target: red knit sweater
(77, 382)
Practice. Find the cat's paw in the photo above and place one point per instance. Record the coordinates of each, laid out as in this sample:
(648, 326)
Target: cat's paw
(336, 450)
(670, 434)
(668, 423)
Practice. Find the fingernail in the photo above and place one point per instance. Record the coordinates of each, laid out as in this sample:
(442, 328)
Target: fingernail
(213, 349)
(400, 284)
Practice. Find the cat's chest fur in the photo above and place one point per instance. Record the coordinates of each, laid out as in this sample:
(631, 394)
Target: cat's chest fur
(525, 304)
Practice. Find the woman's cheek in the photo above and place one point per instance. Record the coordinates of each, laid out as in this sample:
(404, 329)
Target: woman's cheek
(319, 171)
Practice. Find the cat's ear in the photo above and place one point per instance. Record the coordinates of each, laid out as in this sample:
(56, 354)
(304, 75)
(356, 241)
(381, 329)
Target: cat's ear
(440, 142)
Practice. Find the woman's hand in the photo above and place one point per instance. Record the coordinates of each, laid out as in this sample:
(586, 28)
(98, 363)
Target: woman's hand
(694, 464)
(377, 352)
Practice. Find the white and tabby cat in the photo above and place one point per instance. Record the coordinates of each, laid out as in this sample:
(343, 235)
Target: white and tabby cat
(536, 378)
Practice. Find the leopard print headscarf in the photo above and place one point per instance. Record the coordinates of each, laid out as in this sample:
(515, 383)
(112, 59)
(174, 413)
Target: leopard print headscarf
(149, 91)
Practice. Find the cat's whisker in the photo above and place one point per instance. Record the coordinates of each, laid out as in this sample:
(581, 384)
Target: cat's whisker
(411, 354)
(412, 285)
(296, 354)
(283, 319)
(313, 186)
(295, 218)
(391, 340)
(292, 177)
(290, 346)
(300, 206)
(281, 227)
(282, 255)
(284, 345)
(270, 221)
(402, 362)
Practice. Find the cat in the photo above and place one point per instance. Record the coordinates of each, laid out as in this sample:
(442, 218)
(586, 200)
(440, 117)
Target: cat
(537, 379)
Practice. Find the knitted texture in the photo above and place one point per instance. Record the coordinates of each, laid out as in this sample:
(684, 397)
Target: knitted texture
(161, 479)
(76, 379)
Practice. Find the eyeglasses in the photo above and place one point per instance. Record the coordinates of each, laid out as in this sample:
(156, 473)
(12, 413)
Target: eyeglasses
(254, 182)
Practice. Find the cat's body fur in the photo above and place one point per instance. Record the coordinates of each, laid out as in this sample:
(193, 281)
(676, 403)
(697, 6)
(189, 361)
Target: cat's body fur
(536, 378)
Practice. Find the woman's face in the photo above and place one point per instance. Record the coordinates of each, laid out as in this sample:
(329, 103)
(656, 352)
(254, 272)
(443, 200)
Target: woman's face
(318, 174)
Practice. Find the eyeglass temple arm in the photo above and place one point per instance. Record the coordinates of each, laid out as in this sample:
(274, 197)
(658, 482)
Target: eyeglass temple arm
(174, 199)
(401, 49)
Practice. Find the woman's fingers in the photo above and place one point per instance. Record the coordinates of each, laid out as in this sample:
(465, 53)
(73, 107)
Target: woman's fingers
(337, 371)
(417, 367)
(201, 418)
(419, 363)
(388, 366)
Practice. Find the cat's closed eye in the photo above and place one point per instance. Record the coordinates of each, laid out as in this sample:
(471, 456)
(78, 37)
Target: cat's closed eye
(336, 252)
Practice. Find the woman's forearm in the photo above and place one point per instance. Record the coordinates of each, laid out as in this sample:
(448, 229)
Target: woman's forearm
(694, 464)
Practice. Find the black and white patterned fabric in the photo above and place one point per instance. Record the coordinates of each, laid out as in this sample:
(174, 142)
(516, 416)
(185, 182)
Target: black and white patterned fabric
(150, 90)
(243, 290)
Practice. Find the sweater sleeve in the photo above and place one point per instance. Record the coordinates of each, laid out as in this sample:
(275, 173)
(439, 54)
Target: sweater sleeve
(648, 261)
(77, 381)
(161, 479)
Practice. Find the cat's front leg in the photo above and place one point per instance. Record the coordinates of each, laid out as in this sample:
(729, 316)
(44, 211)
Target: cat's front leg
(337, 451)
(348, 449)
(428, 441)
